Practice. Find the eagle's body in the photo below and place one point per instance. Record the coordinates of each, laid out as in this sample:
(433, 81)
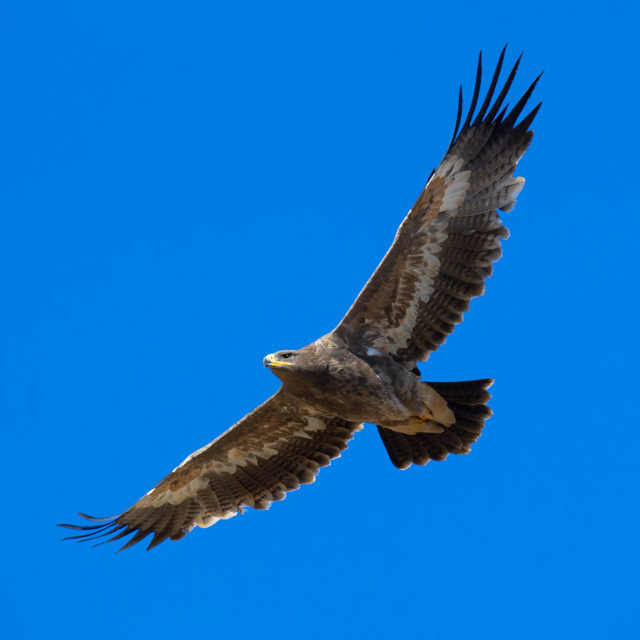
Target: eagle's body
(368, 385)
(365, 369)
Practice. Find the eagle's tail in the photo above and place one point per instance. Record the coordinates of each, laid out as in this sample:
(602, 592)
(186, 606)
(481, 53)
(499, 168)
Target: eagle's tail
(468, 402)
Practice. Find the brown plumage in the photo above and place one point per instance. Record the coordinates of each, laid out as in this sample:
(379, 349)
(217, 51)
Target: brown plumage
(365, 369)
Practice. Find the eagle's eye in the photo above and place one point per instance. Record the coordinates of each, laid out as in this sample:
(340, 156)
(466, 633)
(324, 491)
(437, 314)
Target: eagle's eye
(286, 356)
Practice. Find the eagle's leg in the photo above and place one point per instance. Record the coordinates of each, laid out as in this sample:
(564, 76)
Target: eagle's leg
(428, 412)
(417, 424)
(435, 406)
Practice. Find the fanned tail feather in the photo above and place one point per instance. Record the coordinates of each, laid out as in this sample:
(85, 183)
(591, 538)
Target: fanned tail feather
(468, 401)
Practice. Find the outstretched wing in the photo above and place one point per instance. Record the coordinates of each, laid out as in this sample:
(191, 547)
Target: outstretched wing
(444, 248)
(272, 450)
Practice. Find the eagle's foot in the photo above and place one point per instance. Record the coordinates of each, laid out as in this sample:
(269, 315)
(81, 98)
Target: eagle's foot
(426, 423)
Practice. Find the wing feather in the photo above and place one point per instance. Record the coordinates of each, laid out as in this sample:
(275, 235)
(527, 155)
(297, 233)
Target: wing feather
(445, 247)
(272, 450)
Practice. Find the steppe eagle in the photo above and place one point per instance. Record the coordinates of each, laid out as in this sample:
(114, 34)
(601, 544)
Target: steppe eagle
(365, 369)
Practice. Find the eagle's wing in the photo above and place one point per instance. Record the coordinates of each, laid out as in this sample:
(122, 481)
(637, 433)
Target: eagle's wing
(272, 450)
(444, 248)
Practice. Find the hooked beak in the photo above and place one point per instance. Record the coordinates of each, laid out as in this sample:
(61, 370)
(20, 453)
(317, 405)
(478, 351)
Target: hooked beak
(271, 361)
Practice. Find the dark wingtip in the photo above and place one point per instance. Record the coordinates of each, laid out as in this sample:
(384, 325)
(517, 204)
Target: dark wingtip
(505, 89)
(476, 94)
(492, 87)
(111, 529)
(458, 118)
(79, 527)
(105, 530)
(140, 534)
(493, 113)
(105, 526)
(517, 109)
(93, 518)
(528, 119)
(535, 82)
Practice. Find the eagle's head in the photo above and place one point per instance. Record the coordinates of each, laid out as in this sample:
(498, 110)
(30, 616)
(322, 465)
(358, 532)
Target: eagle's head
(301, 368)
(292, 366)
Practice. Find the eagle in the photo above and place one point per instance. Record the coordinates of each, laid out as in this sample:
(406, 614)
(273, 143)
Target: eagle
(365, 370)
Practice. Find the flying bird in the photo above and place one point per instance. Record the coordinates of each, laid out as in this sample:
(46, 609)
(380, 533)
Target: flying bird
(365, 369)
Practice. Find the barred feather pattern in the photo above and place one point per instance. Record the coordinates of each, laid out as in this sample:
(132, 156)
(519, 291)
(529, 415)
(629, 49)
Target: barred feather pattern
(271, 451)
(444, 249)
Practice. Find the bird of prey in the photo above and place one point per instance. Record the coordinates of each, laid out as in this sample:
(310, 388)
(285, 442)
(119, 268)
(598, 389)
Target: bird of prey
(365, 369)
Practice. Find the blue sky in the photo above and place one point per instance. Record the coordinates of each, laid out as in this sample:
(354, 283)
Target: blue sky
(187, 187)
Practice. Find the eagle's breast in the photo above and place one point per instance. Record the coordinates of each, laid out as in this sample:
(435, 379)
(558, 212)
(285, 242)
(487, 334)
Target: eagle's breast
(333, 380)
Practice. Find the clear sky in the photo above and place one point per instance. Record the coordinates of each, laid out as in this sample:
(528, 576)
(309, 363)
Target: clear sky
(187, 187)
